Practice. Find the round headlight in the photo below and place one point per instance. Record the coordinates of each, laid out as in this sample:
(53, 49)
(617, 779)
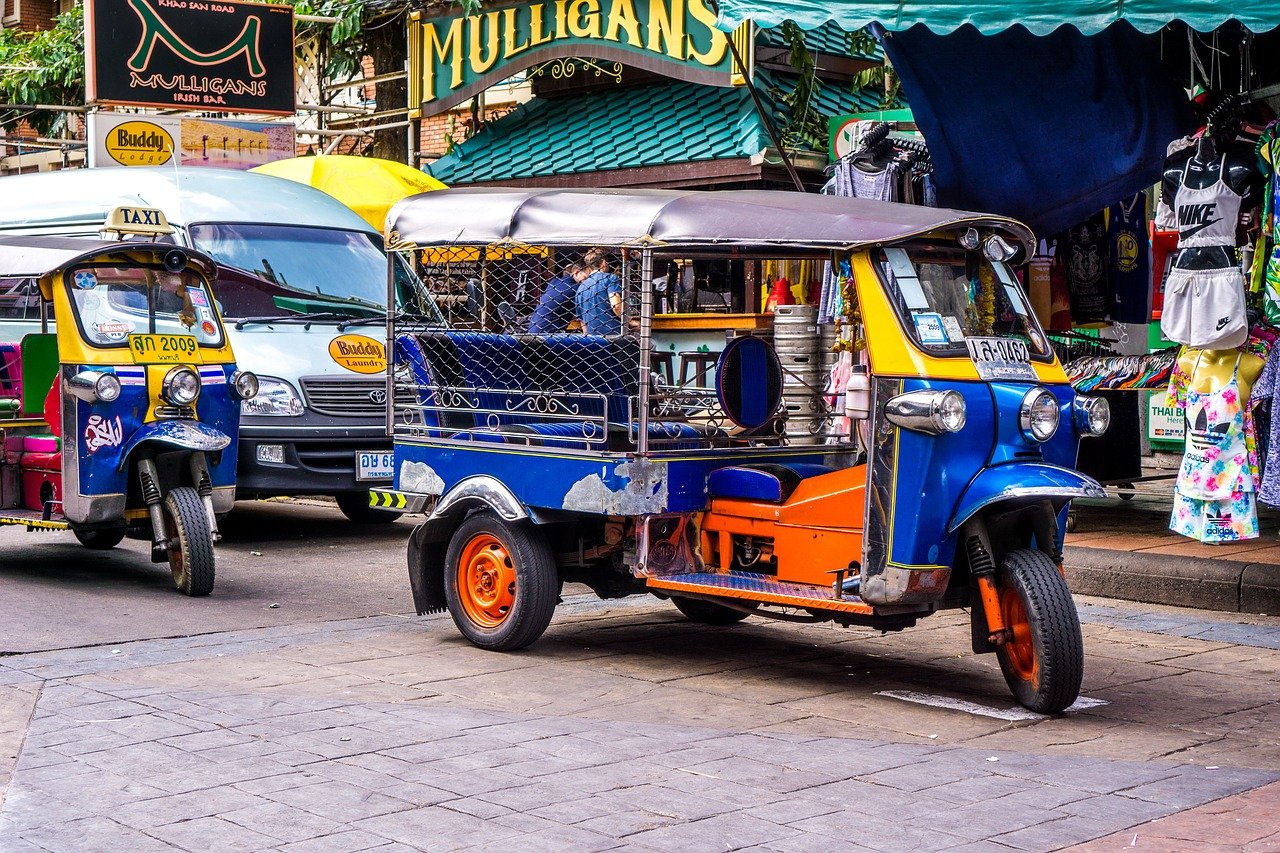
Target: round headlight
(244, 385)
(107, 387)
(181, 386)
(1093, 415)
(949, 413)
(1038, 415)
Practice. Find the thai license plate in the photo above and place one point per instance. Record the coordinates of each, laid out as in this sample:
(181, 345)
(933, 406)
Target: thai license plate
(375, 465)
(164, 349)
(1000, 359)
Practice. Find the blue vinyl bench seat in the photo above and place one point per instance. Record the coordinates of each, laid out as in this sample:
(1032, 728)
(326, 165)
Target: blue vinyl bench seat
(771, 483)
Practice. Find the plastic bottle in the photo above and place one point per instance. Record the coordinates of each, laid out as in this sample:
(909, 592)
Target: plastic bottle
(857, 394)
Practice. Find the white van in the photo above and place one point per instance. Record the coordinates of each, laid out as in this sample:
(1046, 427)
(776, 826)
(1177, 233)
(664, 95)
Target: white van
(303, 298)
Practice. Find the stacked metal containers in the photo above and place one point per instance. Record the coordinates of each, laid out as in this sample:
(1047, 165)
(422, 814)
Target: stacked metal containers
(796, 340)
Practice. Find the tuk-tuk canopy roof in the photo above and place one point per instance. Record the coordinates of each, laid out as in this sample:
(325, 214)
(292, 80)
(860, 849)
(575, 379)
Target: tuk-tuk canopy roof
(740, 219)
(36, 257)
(993, 16)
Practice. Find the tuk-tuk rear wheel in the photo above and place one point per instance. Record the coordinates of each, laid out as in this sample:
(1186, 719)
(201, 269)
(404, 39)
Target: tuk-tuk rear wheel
(1043, 663)
(101, 539)
(500, 582)
(190, 543)
(708, 612)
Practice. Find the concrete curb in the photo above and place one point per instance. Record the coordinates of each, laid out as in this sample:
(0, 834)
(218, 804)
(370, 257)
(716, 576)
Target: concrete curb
(1227, 585)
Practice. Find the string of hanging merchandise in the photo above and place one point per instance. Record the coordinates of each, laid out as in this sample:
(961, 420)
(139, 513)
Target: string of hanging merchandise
(1123, 372)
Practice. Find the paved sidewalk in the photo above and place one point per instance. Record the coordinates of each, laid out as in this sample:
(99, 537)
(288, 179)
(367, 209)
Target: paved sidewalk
(1248, 822)
(625, 727)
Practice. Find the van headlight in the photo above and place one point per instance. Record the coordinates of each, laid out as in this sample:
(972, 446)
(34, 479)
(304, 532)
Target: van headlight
(275, 398)
(1093, 415)
(930, 412)
(181, 386)
(1038, 415)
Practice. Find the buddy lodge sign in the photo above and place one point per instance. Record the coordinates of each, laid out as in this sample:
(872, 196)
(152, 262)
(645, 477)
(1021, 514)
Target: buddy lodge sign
(452, 59)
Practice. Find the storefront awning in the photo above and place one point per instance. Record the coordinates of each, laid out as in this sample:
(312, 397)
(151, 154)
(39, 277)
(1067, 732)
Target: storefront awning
(993, 16)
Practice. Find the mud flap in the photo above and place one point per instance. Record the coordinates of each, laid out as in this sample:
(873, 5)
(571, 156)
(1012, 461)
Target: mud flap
(426, 553)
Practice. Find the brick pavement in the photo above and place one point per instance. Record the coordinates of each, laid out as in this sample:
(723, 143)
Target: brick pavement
(625, 727)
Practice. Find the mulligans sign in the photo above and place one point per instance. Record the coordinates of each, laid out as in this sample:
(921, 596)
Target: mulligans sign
(190, 54)
(452, 59)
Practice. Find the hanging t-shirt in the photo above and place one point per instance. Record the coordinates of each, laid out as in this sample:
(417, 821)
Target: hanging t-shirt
(1085, 262)
(1129, 254)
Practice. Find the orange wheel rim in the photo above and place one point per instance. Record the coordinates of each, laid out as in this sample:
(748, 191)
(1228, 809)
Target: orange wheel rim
(486, 581)
(1020, 650)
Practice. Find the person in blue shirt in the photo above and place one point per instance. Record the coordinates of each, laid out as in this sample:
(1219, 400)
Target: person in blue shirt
(555, 310)
(598, 301)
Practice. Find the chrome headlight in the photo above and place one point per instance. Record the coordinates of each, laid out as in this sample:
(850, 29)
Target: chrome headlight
(1093, 415)
(244, 385)
(93, 386)
(930, 412)
(275, 398)
(1038, 415)
(181, 386)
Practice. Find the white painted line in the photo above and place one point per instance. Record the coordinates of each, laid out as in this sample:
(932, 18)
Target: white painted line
(1014, 714)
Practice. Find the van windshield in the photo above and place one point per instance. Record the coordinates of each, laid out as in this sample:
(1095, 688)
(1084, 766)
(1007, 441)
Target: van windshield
(944, 295)
(298, 270)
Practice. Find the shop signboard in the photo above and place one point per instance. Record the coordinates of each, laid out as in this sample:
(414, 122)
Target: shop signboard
(121, 139)
(228, 56)
(1164, 422)
(453, 58)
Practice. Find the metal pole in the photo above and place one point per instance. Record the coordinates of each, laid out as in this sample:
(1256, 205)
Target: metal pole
(646, 339)
(391, 347)
(767, 120)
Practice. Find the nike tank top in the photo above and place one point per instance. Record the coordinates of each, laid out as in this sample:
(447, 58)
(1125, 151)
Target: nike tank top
(1207, 216)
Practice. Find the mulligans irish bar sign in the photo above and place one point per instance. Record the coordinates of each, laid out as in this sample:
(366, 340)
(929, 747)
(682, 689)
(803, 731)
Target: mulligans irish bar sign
(192, 54)
(454, 58)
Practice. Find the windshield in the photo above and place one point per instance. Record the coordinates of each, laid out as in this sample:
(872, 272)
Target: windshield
(944, 295)
(304, 270)
(113, 302)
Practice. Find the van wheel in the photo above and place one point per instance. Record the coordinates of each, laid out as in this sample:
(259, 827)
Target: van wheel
(707, 612)
(500, 582)
(190, 545)
(1044, 662)
(355, 506)
(100, 539)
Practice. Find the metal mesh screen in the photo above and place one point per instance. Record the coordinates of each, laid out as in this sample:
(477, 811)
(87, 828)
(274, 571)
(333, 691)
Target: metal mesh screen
(543, 347)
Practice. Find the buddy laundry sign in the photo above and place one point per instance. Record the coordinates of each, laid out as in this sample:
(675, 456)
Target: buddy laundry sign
(453, 58)
(225, 56)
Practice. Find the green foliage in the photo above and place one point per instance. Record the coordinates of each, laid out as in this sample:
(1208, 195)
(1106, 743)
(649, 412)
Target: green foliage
(345, 39)
(882, 78)
(43, 67)
(806, 127)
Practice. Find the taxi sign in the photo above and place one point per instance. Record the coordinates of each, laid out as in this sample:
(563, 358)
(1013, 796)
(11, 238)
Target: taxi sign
(147, 221)
(164, 349)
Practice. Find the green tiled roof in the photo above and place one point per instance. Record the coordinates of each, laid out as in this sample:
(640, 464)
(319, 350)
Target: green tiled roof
(828, 38)
(653, 125)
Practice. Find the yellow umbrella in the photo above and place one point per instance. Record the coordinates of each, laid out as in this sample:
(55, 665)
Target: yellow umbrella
(367, 185)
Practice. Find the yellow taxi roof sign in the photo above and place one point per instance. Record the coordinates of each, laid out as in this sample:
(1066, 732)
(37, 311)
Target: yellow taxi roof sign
(147, 221)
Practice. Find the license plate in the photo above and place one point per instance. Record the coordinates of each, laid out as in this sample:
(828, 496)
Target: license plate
(164, 349)
(375, 465)
(1001, 359)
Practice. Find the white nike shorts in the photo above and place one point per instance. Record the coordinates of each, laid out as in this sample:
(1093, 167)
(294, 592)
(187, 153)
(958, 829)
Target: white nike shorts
(1204, 309)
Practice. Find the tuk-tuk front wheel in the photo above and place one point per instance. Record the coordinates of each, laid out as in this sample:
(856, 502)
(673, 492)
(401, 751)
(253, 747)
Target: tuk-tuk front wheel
(1043, 662)
(500, 582)
(190, 543)
(100, 539)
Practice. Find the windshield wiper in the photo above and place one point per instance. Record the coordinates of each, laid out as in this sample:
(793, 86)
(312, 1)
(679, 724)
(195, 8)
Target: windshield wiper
(307, 319)
(360, 321)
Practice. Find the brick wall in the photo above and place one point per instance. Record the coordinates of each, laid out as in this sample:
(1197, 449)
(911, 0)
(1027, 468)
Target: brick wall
(33, 14)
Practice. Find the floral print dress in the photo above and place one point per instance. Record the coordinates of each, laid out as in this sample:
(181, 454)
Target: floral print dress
(1215, 497)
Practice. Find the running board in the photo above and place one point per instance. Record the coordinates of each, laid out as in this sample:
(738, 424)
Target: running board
(759, 588)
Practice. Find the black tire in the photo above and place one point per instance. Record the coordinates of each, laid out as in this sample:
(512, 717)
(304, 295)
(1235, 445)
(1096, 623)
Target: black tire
(190, 544)
(355, 506)
(707, 612)
(512, 584)
(102, 539)
(1044, 663)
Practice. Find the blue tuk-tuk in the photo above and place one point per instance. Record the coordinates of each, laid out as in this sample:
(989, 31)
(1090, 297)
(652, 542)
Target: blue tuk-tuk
(939, 478)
